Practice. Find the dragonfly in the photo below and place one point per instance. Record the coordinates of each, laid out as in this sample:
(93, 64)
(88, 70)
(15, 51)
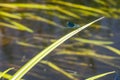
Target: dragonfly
(72, 25)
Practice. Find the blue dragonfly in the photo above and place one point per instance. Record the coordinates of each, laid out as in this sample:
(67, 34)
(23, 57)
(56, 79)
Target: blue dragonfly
(117, 76)
(72, 25)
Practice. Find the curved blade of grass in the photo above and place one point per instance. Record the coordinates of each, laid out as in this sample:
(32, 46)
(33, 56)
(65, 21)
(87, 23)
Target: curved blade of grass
(8, 25)
(112, 49)
(28, 44)
(49, 7)
(10, 15)
(24, 5)
(2, 74)
(6, 76)
(8, 5)
(19, 26)
(39, 18)
(93, 41)
(31, 63)
(40, 6)
(55, 67)
(102, 2)
(79, 6)
(86, 13)
(108, 62)
(61, 16)
(100, 75)
(67, 12)
(100, 43)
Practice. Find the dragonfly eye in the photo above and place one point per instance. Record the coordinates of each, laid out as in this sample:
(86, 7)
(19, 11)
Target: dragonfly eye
(70, 24)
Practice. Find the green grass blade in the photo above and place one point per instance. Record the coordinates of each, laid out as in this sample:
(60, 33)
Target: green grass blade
(6, 76)
(40, 6)
(73, 5)
(19, 26)
(55, 67)
(24, 5)
(100, 75)
(104, 3)
(2, 24)
(100, 43)
(2, 74)
(62, 10)
(31, 63)
(27, 44)
(39, 18)
(117, 51)
(61, 16)
(10, 15)
(97, 42)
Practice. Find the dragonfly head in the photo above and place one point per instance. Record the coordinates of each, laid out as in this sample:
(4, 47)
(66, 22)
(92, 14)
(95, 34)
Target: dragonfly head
(70, 24)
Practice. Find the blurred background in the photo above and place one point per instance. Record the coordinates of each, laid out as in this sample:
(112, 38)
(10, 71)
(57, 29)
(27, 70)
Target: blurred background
(29, 26)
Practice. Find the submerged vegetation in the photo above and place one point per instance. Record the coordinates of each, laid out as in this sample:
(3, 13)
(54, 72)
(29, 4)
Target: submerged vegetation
(42, 21)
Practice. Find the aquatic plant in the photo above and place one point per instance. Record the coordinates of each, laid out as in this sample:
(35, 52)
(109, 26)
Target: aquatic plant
(23, 70)
(12, 19)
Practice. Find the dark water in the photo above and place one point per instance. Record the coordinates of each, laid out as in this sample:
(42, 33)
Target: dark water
(14, 55)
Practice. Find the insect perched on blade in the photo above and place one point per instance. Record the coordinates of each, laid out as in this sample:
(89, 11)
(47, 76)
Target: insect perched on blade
(72, 25)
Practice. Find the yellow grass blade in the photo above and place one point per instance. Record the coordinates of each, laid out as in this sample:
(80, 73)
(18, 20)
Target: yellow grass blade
(102, 2)
(10, 15)
(98, 42)
(31, 63)
(100, 75)
(40, 6)
(56, 14)
(24, 5)
(19, 26)
(2, 74)
(27, 44)
(39, 18)
(67, 12)
(55, 67)
(6, 76)
(117, 51)
(73, 5)
(8, 25)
